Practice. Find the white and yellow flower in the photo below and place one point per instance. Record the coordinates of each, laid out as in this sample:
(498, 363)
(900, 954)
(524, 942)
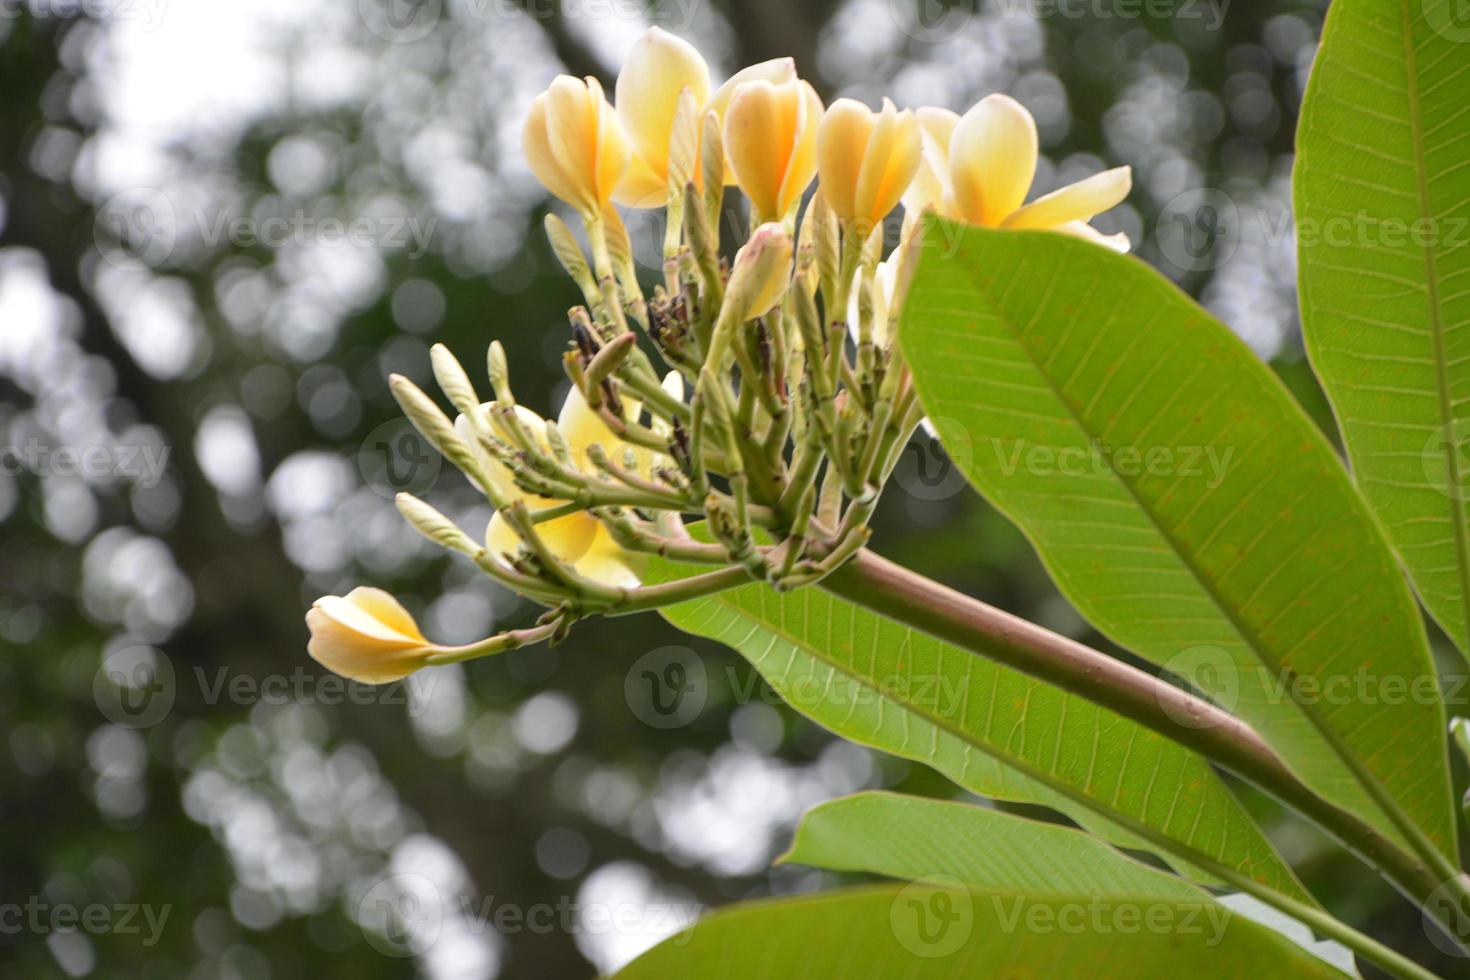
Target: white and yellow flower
(575, 144)
(367, 636)
(979, 168)
(771, 142)
(658, 70)
(866, 160)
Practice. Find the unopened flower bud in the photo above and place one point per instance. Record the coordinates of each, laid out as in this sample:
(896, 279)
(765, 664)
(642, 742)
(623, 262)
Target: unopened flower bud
(366, 636)
(434, 525)
(771, 141)
(866, 160)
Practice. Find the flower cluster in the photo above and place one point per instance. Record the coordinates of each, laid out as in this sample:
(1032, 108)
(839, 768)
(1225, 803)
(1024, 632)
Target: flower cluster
(787, 402)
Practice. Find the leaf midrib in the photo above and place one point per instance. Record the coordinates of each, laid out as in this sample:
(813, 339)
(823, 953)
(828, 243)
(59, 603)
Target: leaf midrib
(1436, 320)
(1248, 634)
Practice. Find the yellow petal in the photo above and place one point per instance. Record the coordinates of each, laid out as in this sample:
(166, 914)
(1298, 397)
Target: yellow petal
(641, 187)
(536, 145)
(659, 67)
(888, 166)
(927, 189)
(775, 71)
(842, 143)
(992, 160)
(1075, 202)
(759, 128)
(801, 166)
(383, 607)
(604, 561)
(575, 143)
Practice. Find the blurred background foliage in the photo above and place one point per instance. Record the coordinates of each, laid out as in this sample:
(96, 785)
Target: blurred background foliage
(178, 307)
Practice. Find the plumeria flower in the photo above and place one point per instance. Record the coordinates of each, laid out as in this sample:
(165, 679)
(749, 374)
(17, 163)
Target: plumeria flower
(979, 167)
(866, 160)
(658, 70)
(574, 143)
(579, 539)
(367, 636)
(771, 140)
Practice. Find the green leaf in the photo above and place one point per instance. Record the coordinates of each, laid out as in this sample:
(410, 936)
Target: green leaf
(1382, 188)
(1183, 502)
(975, 847)
(991, 729)
(913, 838)
(921, 932)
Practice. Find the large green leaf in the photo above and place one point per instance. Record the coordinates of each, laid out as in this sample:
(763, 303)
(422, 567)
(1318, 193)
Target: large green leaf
(991, 729)
(1183, 502)
(924, 933)
(1382, 189)
(917, 839)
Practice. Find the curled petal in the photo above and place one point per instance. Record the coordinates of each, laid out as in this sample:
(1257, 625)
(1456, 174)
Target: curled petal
(658, 69)
(1075, 202)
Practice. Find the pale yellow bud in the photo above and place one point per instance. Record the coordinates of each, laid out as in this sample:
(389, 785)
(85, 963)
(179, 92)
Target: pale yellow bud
(367, 636)
(761, 274)
(866, 160)
(771, 142)
(574, 143)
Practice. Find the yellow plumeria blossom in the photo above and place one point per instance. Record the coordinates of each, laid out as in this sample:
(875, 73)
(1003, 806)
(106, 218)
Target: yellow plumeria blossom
(575, 144)
(579, 539)
(367, 636)
(771, 140)
(979, 167)
(866, 160)
(659, 68)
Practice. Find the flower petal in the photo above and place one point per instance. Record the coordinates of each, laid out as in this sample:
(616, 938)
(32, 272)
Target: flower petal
(842, 143)
(1075, 202)
(992, 160)
(659, 67)
(383, 607)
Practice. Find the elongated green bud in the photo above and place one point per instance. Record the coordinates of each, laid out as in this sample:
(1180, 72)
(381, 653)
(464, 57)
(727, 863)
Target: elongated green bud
(435, 526)
(455, 382)
(430, 420)
(499, 372)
